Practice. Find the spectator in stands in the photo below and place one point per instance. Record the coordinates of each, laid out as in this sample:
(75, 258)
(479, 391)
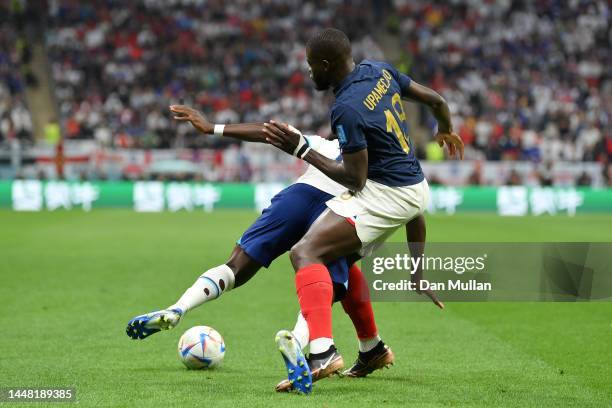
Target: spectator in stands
(545, 175)
(522, 78)
(584, 180)
(118, 65)
(475, 178)
(15, 54)
(525, 80)
(514, 179)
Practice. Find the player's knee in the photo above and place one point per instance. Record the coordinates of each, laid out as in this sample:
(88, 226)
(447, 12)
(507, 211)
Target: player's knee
(299, 254)
(306, 253)
(234, 264)
(242, 265)
(295, 255)
(240, 274)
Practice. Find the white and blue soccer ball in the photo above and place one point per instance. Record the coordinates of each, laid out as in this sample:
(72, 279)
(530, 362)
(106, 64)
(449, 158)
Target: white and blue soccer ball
(201, 347)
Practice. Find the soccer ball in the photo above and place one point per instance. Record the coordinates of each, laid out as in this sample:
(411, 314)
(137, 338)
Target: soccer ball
(201, 347)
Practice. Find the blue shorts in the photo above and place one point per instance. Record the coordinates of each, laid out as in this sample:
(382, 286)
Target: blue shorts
(284, 223)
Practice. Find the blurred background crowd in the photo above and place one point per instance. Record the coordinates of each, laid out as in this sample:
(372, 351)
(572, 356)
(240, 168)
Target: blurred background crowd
(526, 81)
(15, 54)
(119, 65)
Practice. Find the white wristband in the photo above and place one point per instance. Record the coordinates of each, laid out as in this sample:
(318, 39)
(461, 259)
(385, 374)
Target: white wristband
(302, 148)
(305, 153)
(219, 130)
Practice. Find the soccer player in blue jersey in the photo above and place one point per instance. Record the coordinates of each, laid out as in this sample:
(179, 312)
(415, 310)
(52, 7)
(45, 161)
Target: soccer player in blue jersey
(385, 185)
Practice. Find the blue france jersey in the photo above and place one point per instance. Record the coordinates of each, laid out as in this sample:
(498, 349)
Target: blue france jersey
(368, 113)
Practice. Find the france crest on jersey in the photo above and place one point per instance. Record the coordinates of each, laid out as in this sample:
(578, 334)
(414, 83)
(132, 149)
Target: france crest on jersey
(368, 113)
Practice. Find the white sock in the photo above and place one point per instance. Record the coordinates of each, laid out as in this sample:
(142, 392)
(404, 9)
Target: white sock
(209, 286)
(300, 331)
(320, 345)
(368, 344)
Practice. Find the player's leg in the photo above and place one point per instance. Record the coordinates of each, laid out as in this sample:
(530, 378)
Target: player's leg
(355, 298)
(359, 223)
(239, 268)
(291, 344)
(272, 234)
(330, 237)
(373, 353)
(354, 295)
(300, 329)
(356, 223)
(350, 288)
(302, 210)
(357, 305)
(321, 290)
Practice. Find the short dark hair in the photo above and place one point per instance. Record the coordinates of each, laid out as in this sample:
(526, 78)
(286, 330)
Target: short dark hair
(331, 44)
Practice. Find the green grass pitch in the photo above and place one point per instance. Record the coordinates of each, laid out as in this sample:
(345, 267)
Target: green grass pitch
(70, 281)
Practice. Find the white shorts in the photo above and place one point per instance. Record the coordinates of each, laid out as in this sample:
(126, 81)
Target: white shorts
(378, 210)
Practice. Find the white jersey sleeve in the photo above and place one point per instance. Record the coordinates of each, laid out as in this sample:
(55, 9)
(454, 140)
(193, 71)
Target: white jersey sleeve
(312, 176)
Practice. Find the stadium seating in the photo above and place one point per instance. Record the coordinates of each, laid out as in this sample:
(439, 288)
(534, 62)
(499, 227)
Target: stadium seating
(525, 80)
(119, 65)
(15, 120)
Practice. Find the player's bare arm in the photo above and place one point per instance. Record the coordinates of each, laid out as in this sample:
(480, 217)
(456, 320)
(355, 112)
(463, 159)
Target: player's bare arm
(247, 132)
(351, 172)
(439, 108)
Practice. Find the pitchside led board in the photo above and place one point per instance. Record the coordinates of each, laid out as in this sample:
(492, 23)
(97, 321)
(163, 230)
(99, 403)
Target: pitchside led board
(151, 196)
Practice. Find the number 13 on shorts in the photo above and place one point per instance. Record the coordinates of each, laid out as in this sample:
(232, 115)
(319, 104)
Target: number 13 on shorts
(393, 124)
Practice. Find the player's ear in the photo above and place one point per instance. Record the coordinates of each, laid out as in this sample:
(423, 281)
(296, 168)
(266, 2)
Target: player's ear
(325, 64)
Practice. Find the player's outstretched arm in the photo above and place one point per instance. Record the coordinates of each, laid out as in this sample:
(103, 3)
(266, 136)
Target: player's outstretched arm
(415, 236)
(247, 132)
(351, 172)
(441, 112)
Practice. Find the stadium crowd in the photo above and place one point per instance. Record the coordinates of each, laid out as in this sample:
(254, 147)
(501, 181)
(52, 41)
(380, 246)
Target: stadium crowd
(525, 80)
(15, 120)
(118, 65)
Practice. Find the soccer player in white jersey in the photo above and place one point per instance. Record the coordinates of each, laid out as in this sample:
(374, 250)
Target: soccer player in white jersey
(279, 227)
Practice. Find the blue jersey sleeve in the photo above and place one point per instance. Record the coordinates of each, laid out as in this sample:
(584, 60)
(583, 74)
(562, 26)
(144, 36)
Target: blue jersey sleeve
(402, 79)
(348, 126)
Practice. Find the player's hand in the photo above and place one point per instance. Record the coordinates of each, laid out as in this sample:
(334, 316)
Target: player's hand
(453, 141)
(432, 295)
(434, 298)
(281, 136)
(197, 120)
(429, 293)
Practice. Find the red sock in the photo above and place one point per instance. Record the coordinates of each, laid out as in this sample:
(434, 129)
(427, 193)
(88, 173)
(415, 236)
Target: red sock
(357, 304)
(315, 294)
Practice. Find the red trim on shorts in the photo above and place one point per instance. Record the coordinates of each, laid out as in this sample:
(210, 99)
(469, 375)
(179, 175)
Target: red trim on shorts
(350, 221)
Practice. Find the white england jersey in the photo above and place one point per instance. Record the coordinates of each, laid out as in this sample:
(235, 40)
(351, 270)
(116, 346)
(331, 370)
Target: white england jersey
(313, 176)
